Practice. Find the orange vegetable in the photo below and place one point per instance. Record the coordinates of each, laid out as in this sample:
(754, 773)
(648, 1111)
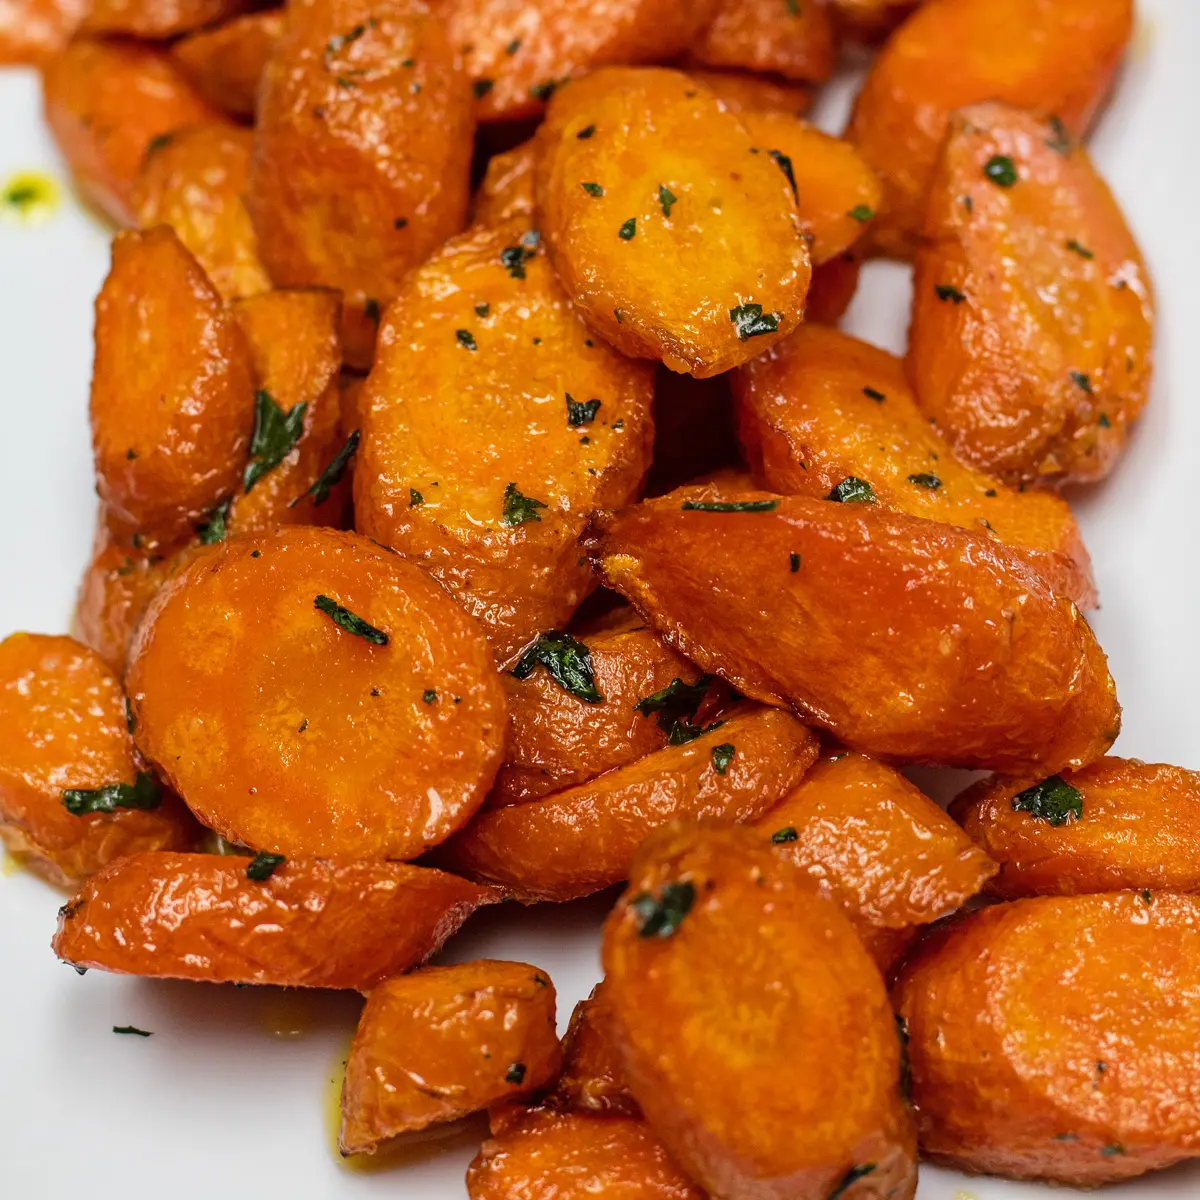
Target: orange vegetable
(1033, 315)
(823, 406)
(444, 1042)
(723, 968)
(905, 638)
(31, 31)
(105, 104)
(875, 843)
(157, 18)
(506, 193)
(833, 287)
(172, 397)
(771, 36)
(518, 54)
(631, 213)
(294, 345)
(309, 923)
(836, 192)
(226, 63)
(493, 425)
(593, 1079)
(552, 1155)
(579, 841)
(742, 92)
(870, 19)
(1118, 823)
(362, 152)
(118, 584)
(194, 180)
(557, 739)
(1056, 59)
(307, 692)
(1058, 1038)
(65, 745)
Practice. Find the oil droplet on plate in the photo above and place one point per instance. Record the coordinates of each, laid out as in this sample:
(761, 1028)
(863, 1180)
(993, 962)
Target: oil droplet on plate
(406, 1150)
(289, 1015)
(9, 866)
(29, 197)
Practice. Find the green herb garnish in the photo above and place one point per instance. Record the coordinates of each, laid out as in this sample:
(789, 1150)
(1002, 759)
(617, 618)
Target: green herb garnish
(482, 310)
(466, 339)
(429, 696)
(263, 865)
(666, 199)
(784, 163)
(481, 87)
(592, 189)
(1082, 382)
(861, 213)
(133, 1029)
(925, 480)
(794, 562)
(1103, 421)
(216, 525)
(945, 292)
(850, 1178)
(543, 91)
(568, 661)
(581, 412)
(661, 917)
(751, 321)
(626, 232)
(722, 756)
(729, 506)
(872, 394)
(676, 706)
(143, 793)
(275, 435)
(1053, 800)
(851, 490)
(343, 618)
(517, 508)
(1082, 251)
(415, 499)
(586, 132)
(515, 1073)
(1060, 139)
(332, 475)
(1001, 170)
(786, 834)
(514, 259)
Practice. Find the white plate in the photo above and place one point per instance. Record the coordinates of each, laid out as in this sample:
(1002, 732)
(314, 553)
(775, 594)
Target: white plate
(217, 1100)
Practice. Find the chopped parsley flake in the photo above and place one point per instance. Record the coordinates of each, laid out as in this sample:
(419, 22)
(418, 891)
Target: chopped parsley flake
(581, 412)
(861, 213)
(592, 189)
(144, 793)
(481, 87)
(1001, 170)
(626, 232)
(514, 259)
(482, 310)
(661, 916)
(1053, 800)
(786, 834)
(466, 338)
(512, 47)
(586, 132)
(925, 480)
(729, 506)
(216, 525)
(784, 163)
(543, 91)
(568, 661)
(676, 706)
(515, 1073)
(851, 490)
(945, 292)
(133, 1029)
(415, 499)
(872, 394)
(343, 618)
(722, 756)
(794, 562)
(332, 475)
(666, 199)
(263, 865)
(275, 435)
(750, 321)
(1082, 251)
(517, 508)
(1082, 382)
(1060, 139)
(429, 696)
(1103, 421)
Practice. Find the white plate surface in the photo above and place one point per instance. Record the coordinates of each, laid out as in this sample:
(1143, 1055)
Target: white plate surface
(231, 1094)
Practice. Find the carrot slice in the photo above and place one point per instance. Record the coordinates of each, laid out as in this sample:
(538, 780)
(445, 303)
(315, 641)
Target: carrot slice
(72, 797)
(593, 1079)
(905, 638)
(227, 919)
(1057, 1038)
(157, 19)
(579, 841)
(226, 63)
(443, 1042)
(1117, 823)
(824, 406)
(772, 36)
(722, 965)
(307, 692)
